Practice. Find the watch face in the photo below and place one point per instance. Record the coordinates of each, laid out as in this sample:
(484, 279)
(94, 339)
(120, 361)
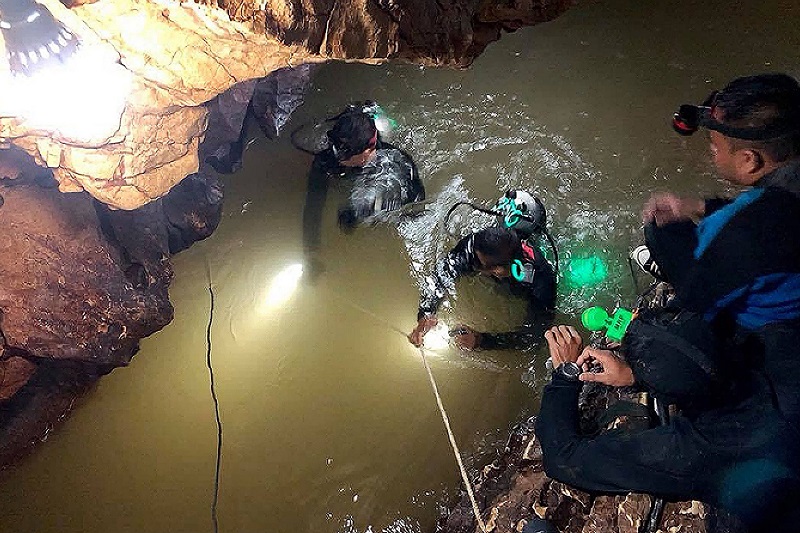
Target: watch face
(571, 370)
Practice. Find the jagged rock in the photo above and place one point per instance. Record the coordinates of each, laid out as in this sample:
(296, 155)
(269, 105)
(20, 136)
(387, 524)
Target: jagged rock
(223, 145)
(15, 372)
(278, 95)
(63, 291)
(182, 55)
(80, 285)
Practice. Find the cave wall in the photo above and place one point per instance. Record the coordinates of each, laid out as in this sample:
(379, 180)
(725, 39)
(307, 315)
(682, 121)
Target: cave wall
(181, 55)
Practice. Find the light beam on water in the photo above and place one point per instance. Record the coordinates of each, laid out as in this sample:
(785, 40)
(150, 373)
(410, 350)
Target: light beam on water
(282, 287)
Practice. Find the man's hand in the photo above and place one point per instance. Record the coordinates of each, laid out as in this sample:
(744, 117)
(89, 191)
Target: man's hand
(466, 338)
(564, 343)
(665, 208)
(423, 326)
(614, 371)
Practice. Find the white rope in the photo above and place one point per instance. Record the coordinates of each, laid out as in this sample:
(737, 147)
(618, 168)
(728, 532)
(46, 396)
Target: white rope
(452, 438)
(445, 418)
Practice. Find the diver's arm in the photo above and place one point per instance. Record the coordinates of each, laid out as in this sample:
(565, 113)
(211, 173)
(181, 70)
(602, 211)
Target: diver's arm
(417, 188)
(458, 262)
(523, 338)
(316, 194)
(663, 461)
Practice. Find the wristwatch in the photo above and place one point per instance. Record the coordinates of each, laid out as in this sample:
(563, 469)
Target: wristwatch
(569, 371)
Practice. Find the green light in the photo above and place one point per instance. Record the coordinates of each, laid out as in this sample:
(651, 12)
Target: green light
(586, 271)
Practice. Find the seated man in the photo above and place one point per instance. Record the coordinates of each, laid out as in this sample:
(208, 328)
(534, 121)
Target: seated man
(741, 263)
(379, 176)
(740, 455)
(491, 252)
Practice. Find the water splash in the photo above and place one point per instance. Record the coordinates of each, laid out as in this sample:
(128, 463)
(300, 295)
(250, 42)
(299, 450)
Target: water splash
(400, 525)
(504, 139)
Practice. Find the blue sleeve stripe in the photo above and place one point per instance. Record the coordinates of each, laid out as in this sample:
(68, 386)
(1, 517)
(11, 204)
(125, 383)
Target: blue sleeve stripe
(770, 298)
(711, 225)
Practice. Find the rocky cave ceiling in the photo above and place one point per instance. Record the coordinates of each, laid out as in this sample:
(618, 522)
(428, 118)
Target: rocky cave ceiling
(179, 56)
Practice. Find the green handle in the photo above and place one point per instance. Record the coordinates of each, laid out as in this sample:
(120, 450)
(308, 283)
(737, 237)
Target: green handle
(596, 319)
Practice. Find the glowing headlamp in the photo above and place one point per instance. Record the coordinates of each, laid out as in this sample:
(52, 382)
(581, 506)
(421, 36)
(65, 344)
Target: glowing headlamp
(34, 39)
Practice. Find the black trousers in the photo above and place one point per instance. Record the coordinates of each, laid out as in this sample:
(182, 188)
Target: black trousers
(672, 248)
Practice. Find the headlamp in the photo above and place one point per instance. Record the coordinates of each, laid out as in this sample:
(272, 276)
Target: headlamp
(690, 118)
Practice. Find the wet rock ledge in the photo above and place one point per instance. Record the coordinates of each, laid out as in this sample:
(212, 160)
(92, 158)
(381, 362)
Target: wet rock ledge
(514, 488)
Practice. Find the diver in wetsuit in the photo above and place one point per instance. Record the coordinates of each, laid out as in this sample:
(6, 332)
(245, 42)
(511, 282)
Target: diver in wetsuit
(492, 252)
(380, 177)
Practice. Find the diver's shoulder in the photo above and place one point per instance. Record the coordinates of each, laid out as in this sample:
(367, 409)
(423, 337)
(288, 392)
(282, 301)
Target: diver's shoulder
(390, 148)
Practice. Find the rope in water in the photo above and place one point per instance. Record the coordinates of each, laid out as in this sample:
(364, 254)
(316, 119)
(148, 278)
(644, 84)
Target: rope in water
(452, 438)
(445, 418)
(216, 407)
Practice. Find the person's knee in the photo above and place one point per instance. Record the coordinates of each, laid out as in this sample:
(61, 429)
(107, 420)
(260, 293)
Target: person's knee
(556, 467)
(650, 234)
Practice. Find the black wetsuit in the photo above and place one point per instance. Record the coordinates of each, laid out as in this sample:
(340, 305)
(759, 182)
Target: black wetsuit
(741, 452)
(742, 262)
(539, 293)
(389, 181)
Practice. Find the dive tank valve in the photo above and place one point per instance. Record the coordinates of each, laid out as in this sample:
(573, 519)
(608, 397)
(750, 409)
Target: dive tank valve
(521, 211)
(597, 319)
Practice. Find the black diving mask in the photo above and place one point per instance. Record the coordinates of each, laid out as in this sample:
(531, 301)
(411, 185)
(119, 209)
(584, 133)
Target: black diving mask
(690, 118)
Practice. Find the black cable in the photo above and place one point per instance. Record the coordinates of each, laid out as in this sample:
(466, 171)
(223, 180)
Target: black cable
(348, 109)
(216, 407)
(554, 247)
(473, 206)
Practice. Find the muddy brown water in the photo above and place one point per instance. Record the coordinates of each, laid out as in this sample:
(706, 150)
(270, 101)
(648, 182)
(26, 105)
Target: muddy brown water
(329, 421)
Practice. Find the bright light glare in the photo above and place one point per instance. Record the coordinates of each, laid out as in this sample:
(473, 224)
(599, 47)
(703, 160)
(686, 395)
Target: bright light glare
(83, 98)
(438, 338)
(282, 287)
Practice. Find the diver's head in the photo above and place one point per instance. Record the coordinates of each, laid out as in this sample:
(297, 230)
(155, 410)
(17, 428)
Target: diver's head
(495, 249)
(753, 123)
(353, 138)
